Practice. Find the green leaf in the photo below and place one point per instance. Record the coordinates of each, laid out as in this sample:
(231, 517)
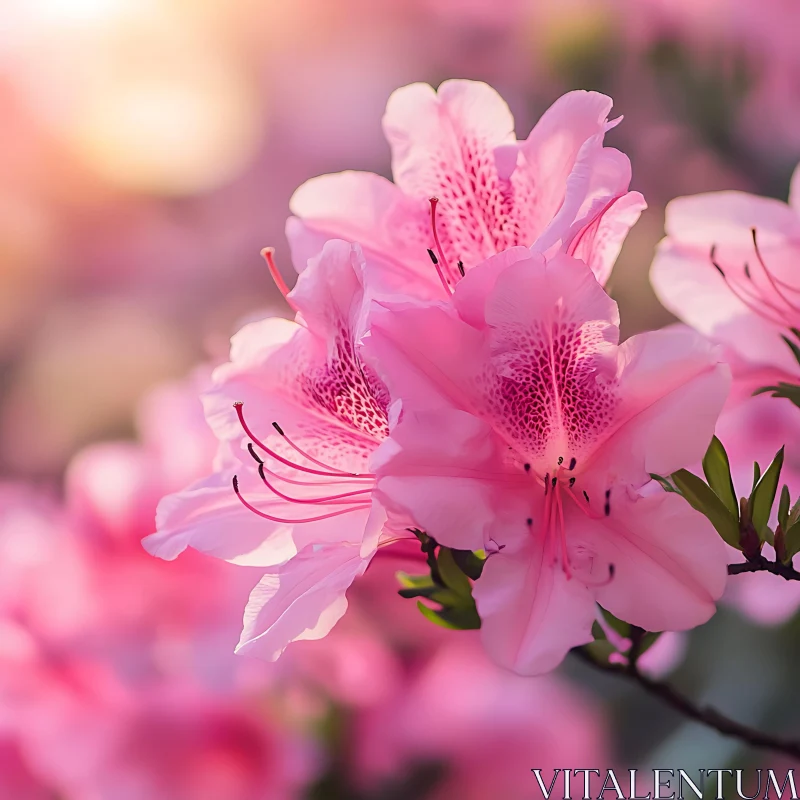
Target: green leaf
(665, 484)
(435, 616)
(462, 618)
(616, 624)
(756, 476)
(717, 470)
(763, 495)
(791, 539)
(701, 497)
(471, 564)
(787, 391)
(451, 575)
(783, 508)
(597, 631)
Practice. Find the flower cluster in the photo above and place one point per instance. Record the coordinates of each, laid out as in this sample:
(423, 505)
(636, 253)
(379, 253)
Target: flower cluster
(453, 383)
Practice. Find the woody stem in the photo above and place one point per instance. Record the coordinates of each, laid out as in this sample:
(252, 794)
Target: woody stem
(704, 714)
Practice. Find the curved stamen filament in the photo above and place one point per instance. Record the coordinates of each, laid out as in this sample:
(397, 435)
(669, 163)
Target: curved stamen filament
(258, 512)
(326, 474)
(308, 455)
(756, 303)
(268, 254)
(331, 499)
(434, 201)
(770, 277)
(293, 481)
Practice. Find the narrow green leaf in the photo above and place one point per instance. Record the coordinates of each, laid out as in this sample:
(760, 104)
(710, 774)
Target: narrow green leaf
(763, 495)
(701, 497)
(787, 391)
(756, 476)
(792, 542)
(469, 563)
(783, 508)
(452, 576)
(717, 470)
(665, 484)
(435, 616)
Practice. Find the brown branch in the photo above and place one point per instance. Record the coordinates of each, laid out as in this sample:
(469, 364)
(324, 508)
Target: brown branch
(704, 714)
(762, 564)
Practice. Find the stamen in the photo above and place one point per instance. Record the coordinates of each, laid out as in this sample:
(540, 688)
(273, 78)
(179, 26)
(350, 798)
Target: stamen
(269, 256)
(311, 501)
(434, 201)
(586, 496)
(238, 406)
(572, 462)
(773, 280)
(460, 265)
(560, 460)
(527, 467)
(308, 455)
(607, 506)
(546, 483)
(250, 507)
(571, 482)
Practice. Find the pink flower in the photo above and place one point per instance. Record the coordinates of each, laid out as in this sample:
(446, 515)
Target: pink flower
(728, 268)
(298, 415)
(528, 431)
(559, 186)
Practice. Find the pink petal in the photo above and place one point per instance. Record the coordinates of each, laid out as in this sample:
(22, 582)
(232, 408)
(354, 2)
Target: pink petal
(531, 614)
(670, 565)
(688, 284)
(600, 237)
(302, 600)
(551, 150)
(444, 471)
(794, 190)
(471, 293)
(392, 229)
(671, 386)
(452, 132)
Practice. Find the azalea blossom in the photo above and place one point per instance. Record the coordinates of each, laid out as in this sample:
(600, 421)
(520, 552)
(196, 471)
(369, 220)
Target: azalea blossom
(298, 415)
(728, 268)
(465, 188)
(526, 430)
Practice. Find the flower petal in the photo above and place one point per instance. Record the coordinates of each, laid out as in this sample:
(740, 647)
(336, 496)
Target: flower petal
(531, 614)
(302, 600)
(670, 565)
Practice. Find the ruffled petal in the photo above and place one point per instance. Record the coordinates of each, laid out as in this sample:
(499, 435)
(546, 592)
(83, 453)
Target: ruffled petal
(302, 600)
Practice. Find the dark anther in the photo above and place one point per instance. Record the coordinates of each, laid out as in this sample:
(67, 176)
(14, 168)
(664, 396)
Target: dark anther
(527, 467)
(529, 522)
(586, 497)
(278, 428)
(460, 266)
(553, 481)
(611, 570)
(560, 460)
(607, 508)
(252, 451)
(572, 462)
(433, 256)
(235, 484)
(571, 482)
(546, 483)
(747, 271)
(238, 404)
